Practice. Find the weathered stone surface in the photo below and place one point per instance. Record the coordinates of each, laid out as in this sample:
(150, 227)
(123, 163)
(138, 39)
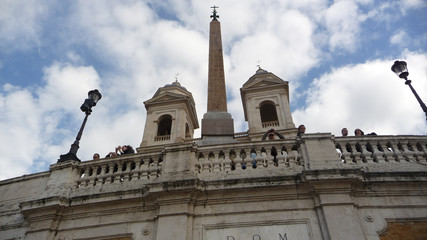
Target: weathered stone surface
(187, 191)
(217, 97)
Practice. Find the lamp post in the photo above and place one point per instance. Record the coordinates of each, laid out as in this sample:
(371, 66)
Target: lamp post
(401, 70)
(94, 97)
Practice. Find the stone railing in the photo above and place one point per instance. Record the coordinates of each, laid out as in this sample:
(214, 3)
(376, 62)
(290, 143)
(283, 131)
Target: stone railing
(270, 124)
(248, 156)
(382, 149)
(162, 138)
(258, 158)
(132, 167)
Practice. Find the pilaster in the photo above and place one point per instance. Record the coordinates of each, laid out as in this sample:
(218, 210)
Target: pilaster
(175, 218)
(319, 151)
(44, 216)
(179, 160)
(337, 213)
(63, 177)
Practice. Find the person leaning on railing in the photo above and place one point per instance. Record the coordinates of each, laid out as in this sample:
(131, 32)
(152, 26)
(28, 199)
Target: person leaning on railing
(270, 134)
(125, 149)
(301, 130)
(358, 132)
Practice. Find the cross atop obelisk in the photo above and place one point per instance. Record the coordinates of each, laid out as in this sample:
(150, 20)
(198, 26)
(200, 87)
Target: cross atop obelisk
(217, 124)
(214, 16)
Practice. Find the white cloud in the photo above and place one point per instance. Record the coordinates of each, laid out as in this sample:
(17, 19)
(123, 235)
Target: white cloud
(19, 139)
(343, 24)
(20, 23)
(367, 96)
(407, 5)
(400, 38)
(67, 84)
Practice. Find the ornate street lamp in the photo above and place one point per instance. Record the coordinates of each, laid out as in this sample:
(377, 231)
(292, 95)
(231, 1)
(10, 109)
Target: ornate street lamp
(401, 70)
(94, 97)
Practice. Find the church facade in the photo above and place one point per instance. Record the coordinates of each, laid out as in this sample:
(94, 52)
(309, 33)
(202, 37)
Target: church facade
(265, 184)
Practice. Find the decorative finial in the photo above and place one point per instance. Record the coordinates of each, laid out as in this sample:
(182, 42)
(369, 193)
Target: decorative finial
(214, 16)
(259, 64)
(176, 77)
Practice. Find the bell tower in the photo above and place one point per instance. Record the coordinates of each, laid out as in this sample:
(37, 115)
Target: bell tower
(265, 99)
(171, 116)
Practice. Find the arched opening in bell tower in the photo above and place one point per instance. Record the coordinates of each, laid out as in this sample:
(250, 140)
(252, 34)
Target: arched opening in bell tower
(268, 114)
(165, 125)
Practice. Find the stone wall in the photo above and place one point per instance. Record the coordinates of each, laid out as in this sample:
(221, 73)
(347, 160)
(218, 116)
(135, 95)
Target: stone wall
(313, 187)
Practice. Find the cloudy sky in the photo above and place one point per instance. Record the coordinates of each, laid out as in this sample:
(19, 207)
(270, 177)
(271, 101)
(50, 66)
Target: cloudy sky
(336, 56)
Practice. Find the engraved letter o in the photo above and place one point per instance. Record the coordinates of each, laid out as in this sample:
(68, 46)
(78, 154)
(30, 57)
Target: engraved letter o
(258, 237)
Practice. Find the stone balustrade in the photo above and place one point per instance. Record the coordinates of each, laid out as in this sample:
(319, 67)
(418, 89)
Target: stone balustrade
(249, 156)
(132, 167)
(162, 138)
(275, 157)
(382, 149)
(270, 124)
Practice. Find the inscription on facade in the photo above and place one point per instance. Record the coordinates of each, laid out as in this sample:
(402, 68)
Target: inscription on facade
(258, 237)
(298, 231)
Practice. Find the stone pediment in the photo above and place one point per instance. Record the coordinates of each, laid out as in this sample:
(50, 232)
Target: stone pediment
(262, 83)
(166, 97)
(263, 79)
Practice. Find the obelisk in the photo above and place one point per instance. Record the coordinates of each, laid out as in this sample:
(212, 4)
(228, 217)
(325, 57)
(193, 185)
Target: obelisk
(217, 124)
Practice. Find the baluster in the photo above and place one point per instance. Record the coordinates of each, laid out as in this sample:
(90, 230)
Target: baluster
(300, 160)
(293, 158)
(87, 177)
(198, 164)
(422, 151)
(216, 162)
(80, 183)
(418, 151)
(357, 154)
(365, 154)
(243, 163)
(109, 172)
(347, 154)
(159, 166)
(136, 171)
(274, 154)
(206, 164)
(389, 153)
(407, 153)
(253, 163)
(125, 171)
(264, 157)
(378, 153)
(153, 167)
(221, 157)
(144, 169)
(101, 175)
(237, 161)
(117, 172)
(396, 155)
(259, 160)
(226, 162)
(283, 159)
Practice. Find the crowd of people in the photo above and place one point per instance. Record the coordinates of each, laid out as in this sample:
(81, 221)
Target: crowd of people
(120, 150)
(271, 133)
(357, 132)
